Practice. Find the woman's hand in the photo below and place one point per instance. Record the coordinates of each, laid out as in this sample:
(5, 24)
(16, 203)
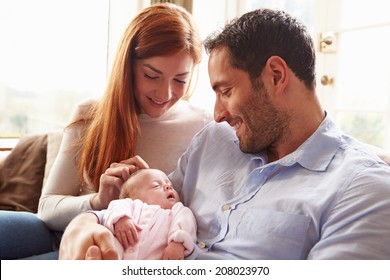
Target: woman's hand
(112, 180)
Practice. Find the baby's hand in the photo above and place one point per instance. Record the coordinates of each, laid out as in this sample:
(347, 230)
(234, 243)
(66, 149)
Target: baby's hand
(174, 251)
(126, 232)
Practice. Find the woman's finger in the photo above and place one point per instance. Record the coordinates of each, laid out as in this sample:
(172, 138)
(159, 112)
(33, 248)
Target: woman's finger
(137, 161)
(116, 169)
(110, 180)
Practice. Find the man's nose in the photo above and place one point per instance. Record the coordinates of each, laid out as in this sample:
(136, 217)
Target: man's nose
(220, 113)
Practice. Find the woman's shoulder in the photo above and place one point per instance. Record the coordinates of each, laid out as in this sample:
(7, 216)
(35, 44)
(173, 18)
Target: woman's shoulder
(83, 108)
(190, 110)
(188, 105)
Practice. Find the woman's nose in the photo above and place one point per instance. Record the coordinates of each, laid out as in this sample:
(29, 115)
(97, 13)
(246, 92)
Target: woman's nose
(164, 93)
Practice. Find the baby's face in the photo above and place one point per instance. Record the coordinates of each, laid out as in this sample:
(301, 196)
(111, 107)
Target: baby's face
(154, 187)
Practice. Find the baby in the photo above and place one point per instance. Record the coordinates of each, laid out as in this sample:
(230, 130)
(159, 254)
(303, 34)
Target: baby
(149, 221)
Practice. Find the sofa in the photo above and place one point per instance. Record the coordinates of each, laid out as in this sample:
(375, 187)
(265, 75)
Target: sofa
(23, 171)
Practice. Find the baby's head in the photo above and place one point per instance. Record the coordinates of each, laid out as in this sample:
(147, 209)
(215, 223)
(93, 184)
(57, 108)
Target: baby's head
(152, 186)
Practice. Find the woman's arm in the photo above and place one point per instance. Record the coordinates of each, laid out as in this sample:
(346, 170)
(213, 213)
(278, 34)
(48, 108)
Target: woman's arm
(60, 200)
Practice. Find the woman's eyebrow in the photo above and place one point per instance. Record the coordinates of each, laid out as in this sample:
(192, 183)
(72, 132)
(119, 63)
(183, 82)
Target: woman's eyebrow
(160, 72)
(152, 68)
(183, 74)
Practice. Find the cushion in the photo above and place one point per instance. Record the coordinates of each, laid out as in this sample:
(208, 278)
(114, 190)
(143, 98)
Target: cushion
(53, 145)
(22, 174)
(3, 156)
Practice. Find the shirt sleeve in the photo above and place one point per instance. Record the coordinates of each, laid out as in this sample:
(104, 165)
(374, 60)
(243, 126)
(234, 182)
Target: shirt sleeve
(60, 200)
(183, 228)
(358, 224)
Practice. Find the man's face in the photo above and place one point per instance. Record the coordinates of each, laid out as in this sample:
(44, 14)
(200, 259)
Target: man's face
(248, 109)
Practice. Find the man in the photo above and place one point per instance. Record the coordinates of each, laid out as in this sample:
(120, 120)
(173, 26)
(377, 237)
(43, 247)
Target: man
(273, 178)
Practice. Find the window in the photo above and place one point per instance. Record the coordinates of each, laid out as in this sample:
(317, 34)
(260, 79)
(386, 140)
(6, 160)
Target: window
(359, 99)
(53, 55)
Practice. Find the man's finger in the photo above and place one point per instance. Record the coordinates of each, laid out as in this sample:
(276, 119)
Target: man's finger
(93, 253)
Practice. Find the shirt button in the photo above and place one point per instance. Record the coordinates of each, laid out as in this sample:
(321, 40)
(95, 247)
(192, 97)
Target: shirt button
(202, 245)
(226, 207)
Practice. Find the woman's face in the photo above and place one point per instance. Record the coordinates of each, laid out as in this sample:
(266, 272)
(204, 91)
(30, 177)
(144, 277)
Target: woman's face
(161, 81)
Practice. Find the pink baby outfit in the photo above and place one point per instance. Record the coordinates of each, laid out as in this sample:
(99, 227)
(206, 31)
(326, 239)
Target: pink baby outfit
(159, 227)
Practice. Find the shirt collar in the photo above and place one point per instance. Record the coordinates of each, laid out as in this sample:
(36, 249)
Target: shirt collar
(318, 150)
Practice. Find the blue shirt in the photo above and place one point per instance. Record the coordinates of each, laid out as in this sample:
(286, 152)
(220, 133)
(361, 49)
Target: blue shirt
(330, 199)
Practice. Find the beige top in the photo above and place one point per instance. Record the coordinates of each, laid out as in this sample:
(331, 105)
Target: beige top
(161, 143)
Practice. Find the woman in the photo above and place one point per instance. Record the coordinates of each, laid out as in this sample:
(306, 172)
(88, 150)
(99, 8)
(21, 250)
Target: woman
(142, 112)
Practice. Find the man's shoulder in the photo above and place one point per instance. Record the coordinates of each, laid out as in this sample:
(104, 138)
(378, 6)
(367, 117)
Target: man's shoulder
(360, 151)
(218, 130)
(364, 166)
(215, 134)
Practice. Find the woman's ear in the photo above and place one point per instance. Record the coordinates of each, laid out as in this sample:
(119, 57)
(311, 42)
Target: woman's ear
(276, 72)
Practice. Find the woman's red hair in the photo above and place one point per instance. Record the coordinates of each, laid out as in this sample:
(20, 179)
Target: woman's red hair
(159, 30)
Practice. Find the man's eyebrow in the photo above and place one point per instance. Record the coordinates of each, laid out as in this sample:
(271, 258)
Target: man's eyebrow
(216, 85)
(159, 72)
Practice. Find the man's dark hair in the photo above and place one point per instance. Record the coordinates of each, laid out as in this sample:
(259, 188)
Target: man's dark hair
(257, 35)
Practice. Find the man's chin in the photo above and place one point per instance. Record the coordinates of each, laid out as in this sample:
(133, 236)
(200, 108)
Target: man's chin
(244, 148)
(248, 149)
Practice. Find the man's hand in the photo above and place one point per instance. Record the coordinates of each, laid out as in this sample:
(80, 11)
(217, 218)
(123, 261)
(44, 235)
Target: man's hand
(84, 238)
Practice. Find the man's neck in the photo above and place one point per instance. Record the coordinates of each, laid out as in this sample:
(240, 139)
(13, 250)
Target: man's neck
(300, 129)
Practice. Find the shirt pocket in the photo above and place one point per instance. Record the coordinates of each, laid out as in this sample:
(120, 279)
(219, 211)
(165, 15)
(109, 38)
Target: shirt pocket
(271, 234)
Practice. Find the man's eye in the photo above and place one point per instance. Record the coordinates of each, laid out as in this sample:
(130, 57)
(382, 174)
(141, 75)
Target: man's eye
(226, 92)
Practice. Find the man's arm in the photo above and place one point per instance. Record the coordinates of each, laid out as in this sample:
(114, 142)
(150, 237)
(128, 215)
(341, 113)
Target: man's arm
(358, 226)
(85, 238)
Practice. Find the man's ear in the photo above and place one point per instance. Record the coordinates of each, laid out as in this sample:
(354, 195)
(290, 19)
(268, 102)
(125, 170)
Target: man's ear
(276, 73)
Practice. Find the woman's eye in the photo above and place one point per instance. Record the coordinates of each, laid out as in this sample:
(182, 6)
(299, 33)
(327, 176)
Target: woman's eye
(150, 77)
(181, 81)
